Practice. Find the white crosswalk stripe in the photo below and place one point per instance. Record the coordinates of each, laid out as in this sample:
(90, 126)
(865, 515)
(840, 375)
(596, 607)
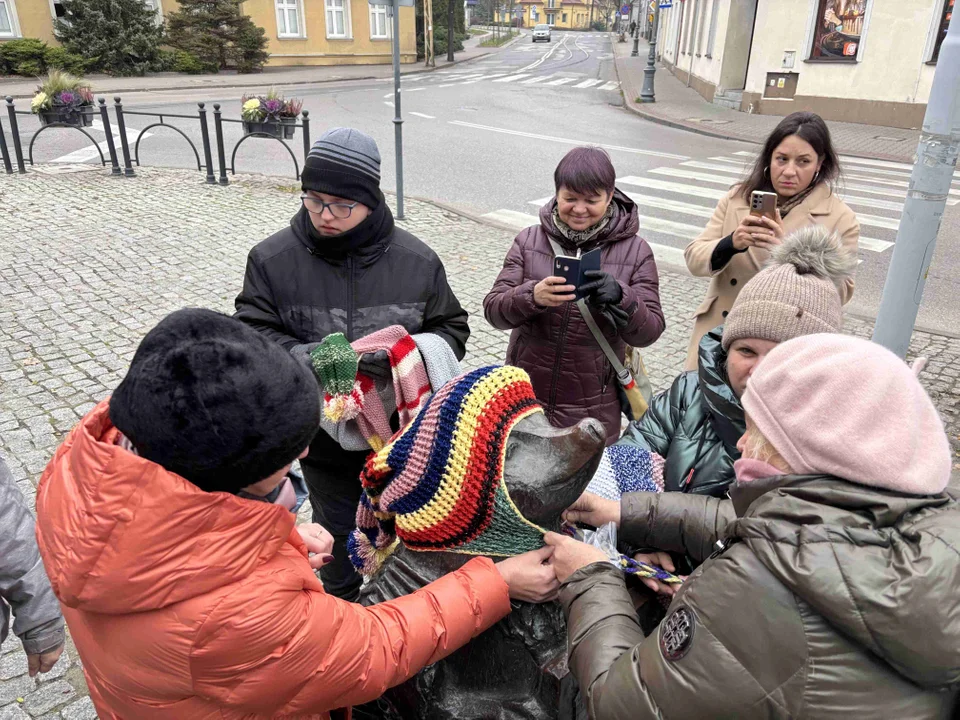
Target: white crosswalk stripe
(588, 83)
(669, 223)
(561, 81)
(612, 85)
(512, 78)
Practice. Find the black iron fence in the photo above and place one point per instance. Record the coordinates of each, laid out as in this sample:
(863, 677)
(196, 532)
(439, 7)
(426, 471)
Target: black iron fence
(279, 131)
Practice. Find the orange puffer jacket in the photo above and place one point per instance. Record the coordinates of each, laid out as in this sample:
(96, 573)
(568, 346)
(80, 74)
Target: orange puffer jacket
(186, 604)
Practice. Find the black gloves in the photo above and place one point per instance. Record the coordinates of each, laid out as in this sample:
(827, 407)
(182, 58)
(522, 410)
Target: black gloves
(617, 316)
(376, 366)
(602, 289)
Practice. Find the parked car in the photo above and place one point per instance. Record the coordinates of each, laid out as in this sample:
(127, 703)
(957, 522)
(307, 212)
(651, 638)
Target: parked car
(541, 32)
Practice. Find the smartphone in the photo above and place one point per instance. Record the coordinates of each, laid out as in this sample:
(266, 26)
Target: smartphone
(763, 204)
(568, 268)
(572, 269)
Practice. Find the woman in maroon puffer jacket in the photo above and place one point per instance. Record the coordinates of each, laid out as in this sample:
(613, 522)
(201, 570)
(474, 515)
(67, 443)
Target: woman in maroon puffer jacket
(550, 340)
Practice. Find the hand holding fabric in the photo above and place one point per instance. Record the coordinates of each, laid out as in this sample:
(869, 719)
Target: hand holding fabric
(570, 555)
(602, 288)
(376, 365)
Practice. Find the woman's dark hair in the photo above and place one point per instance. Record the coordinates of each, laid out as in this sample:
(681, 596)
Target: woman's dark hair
(585, 170)
(807, 126)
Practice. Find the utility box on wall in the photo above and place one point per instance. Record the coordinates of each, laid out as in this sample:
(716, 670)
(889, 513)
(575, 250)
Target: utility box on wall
(781, 85)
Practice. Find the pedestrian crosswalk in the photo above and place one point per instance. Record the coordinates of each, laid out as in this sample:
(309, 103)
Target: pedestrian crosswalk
(566, 80)
(675, 201)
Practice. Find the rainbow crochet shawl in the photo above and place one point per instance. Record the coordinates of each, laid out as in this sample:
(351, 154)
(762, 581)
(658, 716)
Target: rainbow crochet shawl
(439, 486)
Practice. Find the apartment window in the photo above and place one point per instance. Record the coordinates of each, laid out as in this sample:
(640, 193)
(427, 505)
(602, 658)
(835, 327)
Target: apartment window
(551, 4)
(702, 25)
(288, 18)
(563, 17)
(379, 23)
(948, 7)
(692, 24)
(550, 18)
(8, 19)
(712, 37)
(338, 18)
(837, 31)
(58, 11)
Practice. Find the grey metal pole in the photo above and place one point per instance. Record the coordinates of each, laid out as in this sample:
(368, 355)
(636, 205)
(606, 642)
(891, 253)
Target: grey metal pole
(926, 199)
(450, 31)
(636, 35)
(648, 94)
(397, 119)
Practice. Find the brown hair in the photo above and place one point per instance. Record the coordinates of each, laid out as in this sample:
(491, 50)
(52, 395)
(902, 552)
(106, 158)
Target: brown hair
(807, 126)
(585, 170)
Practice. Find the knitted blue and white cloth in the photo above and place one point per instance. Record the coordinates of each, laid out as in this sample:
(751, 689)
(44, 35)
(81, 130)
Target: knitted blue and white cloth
(624, 469)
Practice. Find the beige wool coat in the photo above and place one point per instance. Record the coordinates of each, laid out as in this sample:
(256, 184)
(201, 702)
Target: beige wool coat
(821, 207)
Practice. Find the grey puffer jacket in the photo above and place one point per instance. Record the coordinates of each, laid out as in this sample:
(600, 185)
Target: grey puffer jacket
(569, 372)
(694, 425)
(24, 586)
(828, 599)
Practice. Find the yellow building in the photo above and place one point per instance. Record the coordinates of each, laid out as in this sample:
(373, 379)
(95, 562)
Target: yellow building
(301, 32)
(559, 14)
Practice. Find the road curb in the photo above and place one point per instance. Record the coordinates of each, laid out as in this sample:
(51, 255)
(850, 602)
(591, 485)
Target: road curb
(230, 86)
(637, 109)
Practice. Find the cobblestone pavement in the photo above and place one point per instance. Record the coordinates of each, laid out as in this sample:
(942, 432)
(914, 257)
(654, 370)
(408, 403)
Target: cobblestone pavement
(89, 263)
(683, 107)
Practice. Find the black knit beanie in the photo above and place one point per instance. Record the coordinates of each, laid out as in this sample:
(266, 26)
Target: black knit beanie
(345, 163)
(216, 402)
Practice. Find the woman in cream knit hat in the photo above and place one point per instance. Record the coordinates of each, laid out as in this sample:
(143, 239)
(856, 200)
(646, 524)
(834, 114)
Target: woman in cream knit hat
(696, 423)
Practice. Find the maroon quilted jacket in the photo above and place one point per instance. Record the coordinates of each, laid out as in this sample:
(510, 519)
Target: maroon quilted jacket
(570, 374)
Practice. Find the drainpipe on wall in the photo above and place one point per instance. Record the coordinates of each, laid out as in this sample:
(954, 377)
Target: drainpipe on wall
(693, 34)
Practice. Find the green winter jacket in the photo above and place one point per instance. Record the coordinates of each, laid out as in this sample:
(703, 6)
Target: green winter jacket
(828, 600)
(694, 425)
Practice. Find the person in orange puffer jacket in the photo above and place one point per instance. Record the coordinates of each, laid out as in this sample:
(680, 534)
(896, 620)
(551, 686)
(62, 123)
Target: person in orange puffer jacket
(165, 525)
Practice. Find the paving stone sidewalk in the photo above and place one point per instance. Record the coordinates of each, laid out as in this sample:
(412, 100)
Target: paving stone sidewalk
(680, 106)
(20, 87)
(89, 263)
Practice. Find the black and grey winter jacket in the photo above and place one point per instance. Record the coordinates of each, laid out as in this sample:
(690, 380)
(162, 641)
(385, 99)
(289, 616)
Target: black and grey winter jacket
(300, 287)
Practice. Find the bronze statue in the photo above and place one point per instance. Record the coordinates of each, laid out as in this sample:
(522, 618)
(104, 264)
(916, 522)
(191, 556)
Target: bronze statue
(517, 670)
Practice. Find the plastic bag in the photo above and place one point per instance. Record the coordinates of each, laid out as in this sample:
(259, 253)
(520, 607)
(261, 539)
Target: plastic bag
(605, 539)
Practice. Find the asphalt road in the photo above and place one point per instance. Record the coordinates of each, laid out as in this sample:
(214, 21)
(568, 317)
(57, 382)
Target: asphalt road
(485, 137)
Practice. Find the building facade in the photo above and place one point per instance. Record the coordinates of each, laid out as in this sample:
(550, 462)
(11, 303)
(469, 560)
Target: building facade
(559, 14)
(864, 61)
(300, 32)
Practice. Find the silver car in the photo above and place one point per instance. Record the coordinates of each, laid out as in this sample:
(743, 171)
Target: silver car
(541, 32)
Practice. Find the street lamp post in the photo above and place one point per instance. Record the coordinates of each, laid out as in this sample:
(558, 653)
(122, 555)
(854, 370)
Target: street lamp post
(647, 94)
(636, 38)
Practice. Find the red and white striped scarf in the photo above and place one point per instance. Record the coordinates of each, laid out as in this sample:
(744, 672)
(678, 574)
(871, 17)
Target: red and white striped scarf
(410, 383)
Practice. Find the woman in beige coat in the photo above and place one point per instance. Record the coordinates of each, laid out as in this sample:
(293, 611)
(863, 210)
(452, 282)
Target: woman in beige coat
(799, 164)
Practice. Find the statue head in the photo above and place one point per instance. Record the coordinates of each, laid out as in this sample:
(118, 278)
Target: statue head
(479, 471)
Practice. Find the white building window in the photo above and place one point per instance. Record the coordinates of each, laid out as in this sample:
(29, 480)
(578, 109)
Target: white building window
(289, 22)
(550, 18)
(692, 24)
(338, 19)
(712, 37)
(379, 23)
(702, 25)
(8, 19)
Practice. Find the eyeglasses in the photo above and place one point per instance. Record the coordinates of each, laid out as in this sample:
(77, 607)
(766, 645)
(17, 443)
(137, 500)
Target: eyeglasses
(339, 210)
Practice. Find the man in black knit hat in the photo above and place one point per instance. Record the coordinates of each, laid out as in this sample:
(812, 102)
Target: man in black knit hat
(343, 266)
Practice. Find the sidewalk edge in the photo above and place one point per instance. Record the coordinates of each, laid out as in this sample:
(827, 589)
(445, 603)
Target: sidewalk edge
(637, 109)
(229, 86)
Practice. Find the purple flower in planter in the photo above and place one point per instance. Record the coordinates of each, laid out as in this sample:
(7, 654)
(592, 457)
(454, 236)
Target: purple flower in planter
(273, 106)
(67, 97)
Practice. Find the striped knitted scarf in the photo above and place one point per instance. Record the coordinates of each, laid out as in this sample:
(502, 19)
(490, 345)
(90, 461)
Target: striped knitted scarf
(335, 363)
(439, 484)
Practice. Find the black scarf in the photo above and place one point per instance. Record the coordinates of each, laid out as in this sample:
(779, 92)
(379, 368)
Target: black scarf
(368, 240)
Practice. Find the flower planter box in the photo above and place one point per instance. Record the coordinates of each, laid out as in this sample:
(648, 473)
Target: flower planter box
(274, 129)
(78, 117)
(289, 126)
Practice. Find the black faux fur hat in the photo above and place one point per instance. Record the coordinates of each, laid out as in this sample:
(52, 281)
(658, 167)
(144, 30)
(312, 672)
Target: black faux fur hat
(214, 401)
